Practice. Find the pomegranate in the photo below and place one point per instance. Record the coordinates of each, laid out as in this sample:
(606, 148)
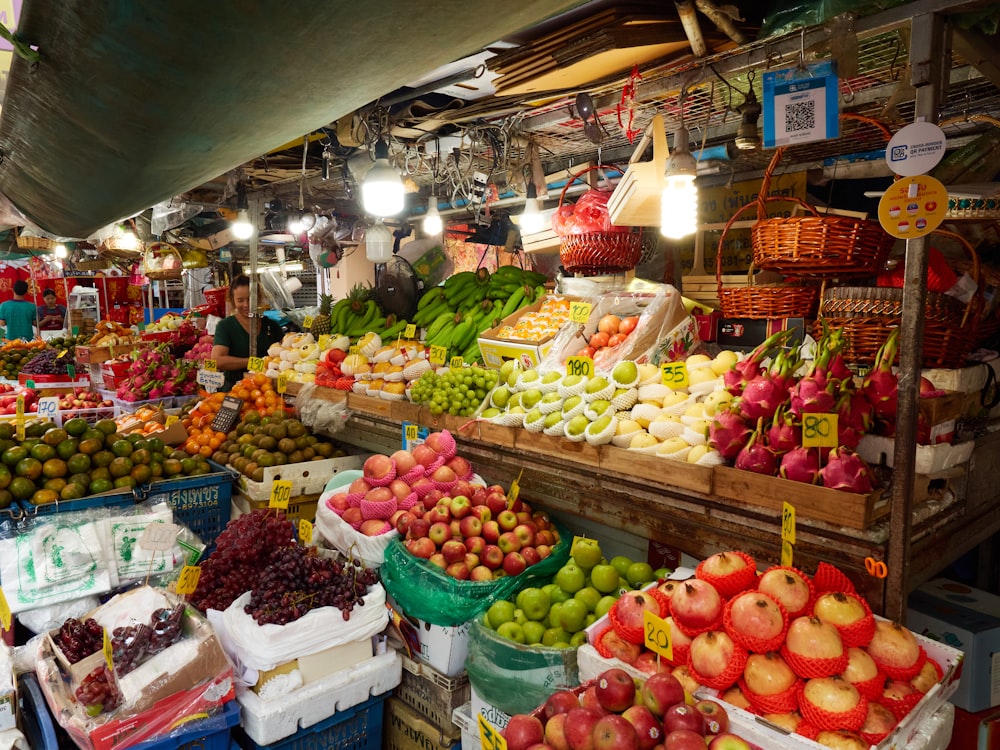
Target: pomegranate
(628, 610)
(789, 722)
(812, 638)
(841, 740)
(755, 621)
(767, 674)
(722, 564)
(927, 677)
(678, 638)
(713, 657)
(860, 666)
(822, 696)
(404, 462)
(696, 605)
(893, 647)
(619, 648)
(685, 678)
(838, 608)
(878, 723)
(897, 690)
(787, 586)
(668, 587)
(735, 697)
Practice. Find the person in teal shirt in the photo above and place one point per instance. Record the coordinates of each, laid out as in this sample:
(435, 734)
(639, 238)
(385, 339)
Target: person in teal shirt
(18, 316)
(231, 344)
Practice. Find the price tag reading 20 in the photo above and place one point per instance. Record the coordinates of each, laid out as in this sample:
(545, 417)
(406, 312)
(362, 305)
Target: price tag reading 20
(657, 635)
(582, 366)
(675, 374)
(820, 431)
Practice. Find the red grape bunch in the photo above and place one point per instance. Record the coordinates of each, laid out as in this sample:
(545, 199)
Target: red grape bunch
(242, 551)
(78, 640)
(128, 646)
(99, 692)
(166, 629)
(298, 580)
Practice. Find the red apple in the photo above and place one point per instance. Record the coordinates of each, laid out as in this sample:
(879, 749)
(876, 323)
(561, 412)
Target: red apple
(523, 731)
(432, 498)
(513, 563)
(588, 700)
(456, 528)
(683, 716)
(475, 544)
(729, 741)
(353, 516)
(469, 526)
(683, 739)
(472, 560)
(648, 728)
(419, 527)
(715, 716)
(507, 520)
(531, 556)
(545, 536)
(509, 542)
(453, 550)
(496, 502)
(526, 533)
(560, 702)
(438, 559)
(458, 570)
(394, 518)
(651, 663)
(482, 513)
(491, 532)
(579, 728)
(661, 691)
(614, 732)
(404, 461)
(492, 557)
(460, 506)
(422, 547)
(555, 732)
(615, 689)
(543, 550)
(438, 514)
(480, 573)
(399, 489)
(478, 497)
(524, 516)
(375, 527)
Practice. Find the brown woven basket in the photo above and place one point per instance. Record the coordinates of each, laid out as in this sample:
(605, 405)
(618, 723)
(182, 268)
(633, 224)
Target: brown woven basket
(152, 261)
(33, 243)
(816, 245)
(867, 315)
(597, 253)
(764, 300)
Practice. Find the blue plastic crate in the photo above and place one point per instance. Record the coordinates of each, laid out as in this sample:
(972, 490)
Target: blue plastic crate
(212, 733)
(202, 503)
(36, 721)
(355, 728)
(116, 499)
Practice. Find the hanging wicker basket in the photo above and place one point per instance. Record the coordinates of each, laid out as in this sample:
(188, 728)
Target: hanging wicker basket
(162, 261)
(598, 253)
(31, 242)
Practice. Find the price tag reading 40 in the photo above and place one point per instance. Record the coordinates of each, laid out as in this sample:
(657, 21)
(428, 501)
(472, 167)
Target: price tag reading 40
(820, 431)
(582, 366)
(579, 312)
(438, 355)
(489, 736)
(281, 493)
(675, 374)
(657, 635)
(255, 364)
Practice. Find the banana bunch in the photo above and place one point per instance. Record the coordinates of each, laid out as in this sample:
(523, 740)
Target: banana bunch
(456, 313)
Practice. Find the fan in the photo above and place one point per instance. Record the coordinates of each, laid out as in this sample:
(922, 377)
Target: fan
(396, 287)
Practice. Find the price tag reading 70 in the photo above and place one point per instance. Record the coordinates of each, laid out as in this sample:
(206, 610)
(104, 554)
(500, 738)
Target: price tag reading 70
(675, 374)
(820, 431)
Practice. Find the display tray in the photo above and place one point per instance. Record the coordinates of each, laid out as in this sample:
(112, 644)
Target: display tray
(307, 478)
(95, 355)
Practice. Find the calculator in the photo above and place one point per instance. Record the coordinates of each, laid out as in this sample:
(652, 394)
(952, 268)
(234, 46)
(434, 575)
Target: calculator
(228, 414)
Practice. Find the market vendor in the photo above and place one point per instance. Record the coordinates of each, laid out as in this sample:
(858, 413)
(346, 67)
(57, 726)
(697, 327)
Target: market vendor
(17, 316)
(231, 345)
(51, 315)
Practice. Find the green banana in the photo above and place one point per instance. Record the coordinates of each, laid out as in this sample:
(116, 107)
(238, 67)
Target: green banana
(458, 280)
(395, 330)
(513, 303)
(433, 294)
(439, 324)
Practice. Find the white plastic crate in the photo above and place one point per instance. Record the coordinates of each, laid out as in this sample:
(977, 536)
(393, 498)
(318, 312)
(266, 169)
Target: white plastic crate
(308, 477)
(266, 722)
(463, 719)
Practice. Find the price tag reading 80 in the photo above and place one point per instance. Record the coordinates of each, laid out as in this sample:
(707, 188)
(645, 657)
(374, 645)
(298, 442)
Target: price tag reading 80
(786, 554)
(675, 374)
(583, 366)
(820, 431)
(788, 522)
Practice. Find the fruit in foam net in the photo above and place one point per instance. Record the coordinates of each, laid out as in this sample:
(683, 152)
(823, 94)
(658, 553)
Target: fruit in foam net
(754, 615)
(571, 403)
(595, 384)
(811, 638)
(643, 440)
(577, 425)
(696, 604)
(786, 587)
(860, 666)
(833, 694)
(838, 608)
(711, 653)
(894, 646)
(768, 674)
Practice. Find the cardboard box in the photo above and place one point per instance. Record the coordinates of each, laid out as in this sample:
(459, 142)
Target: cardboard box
(319, 665)
(444, 648)
(967, 619)
(497, 350)
(491, 714)
(743, 334)
(405, 729)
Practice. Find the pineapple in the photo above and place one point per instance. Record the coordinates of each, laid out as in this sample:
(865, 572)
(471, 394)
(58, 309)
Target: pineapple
(321, 323)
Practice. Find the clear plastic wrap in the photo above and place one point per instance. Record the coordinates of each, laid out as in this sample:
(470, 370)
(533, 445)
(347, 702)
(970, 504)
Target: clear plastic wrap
(319, 415)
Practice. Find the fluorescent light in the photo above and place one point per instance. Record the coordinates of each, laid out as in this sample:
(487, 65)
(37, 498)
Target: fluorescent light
(286, 267)
(531, 221)
(378, 243)
(679, 204)
(61, 251)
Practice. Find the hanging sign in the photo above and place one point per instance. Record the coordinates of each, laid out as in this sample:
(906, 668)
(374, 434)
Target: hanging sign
(915, 149)
(800, 105)
(913, 207)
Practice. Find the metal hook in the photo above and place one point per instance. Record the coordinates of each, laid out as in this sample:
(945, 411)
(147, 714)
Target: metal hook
(847, 84)
(893, 73)
(802, 49)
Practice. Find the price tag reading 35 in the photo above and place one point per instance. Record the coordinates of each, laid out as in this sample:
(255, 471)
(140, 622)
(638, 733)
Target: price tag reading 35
(579, 312)
(675, 374)
(281, 493)
(582, 366)
(820, 431)
(657, 635)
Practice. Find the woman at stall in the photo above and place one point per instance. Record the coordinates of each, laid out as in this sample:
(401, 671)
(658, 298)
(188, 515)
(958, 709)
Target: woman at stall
(231, 345)
(51, 315)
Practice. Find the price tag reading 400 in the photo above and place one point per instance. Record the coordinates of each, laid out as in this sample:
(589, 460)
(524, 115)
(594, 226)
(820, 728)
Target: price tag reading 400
(675, 374)
(255, 364)
(456, 362)
(281, 493)
(582, 366)
(489, 736)
(579, 312)
(820, 431)
(657, 635)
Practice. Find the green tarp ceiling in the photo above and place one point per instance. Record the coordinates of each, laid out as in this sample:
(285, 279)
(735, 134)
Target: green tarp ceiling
(135, 101)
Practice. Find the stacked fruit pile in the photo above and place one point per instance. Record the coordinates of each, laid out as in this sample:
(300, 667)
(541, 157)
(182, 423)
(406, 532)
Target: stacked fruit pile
(14, 354)
(256, 391)
(540, 325)
(615, 712)
(382, 370)
(458, 391)
(298, 353)
(581, 592)
(805, 653)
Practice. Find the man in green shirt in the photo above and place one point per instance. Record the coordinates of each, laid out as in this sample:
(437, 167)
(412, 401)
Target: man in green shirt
(18, 316)
(231, 344)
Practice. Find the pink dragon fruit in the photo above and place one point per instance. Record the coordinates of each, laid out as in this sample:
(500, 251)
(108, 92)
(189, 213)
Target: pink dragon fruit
(881, 386)
(800, 465)
(747, 369)
(810, 397)
(854, 418)
(728, 432)
(755, 456)
(784, 434)
(845, 470)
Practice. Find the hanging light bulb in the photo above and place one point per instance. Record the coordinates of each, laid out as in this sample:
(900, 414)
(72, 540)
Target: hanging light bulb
(128, 240)
(679, 204)
(432, 219)
(378, 243)
(531, 220)
(295, 225)
(61, 251)
(748, 135)
(242, 228)
(382, 189)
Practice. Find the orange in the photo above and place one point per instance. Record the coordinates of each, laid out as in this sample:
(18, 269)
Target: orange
(206, 451)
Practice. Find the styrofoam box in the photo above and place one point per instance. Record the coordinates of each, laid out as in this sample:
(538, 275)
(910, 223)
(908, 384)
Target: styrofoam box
(493, 715)
(462, 718)
(964, 379)
(930, 458)
(308, 477)
(444, 648)
(266, 722)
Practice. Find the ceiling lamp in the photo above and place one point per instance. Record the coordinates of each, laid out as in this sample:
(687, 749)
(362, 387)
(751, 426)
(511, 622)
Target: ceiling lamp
(432, 219)
(382, 189)
(679, 204)
(242, 228)
(531, 221)
(61, 251)
(128, 240)
(747, 135)
(378, 243)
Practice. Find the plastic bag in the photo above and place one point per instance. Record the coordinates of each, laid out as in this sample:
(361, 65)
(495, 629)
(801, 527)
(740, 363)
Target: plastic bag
(424, 591)
(320, 415)
(171, 213)
(514, 677)
(588, 214)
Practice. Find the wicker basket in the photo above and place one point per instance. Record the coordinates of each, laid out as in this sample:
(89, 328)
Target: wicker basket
(31, 242)
(598, 253)
(867, 315)
(764, 300)
(816, 245)
(153, 262)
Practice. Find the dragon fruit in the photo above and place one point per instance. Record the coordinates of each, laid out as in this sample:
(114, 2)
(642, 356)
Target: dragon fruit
(755, 456)
(784, 434)
(810, 397)
(155, 374)
(845, 470)
(728, 432)
(854, 418)
(742, 372)
(881, 385)
(800, 465)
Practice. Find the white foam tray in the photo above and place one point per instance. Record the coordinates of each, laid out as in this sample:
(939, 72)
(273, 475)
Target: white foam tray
(930, 459)
(266, 722)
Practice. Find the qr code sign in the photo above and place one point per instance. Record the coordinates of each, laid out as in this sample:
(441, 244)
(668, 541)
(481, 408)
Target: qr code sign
(800, 116)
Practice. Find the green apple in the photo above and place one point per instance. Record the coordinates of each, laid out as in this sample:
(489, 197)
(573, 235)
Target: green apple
(534, 416)
(559, 596)
(589, 596)
(621, 563)
(533, 632)
(571, 403)
(534, 603)
(599, 426)
(551, 420)
(530, 397)
(662, 573)
(512, 632)
(491, 412)
(572, 615)
(604, 578)
(625, 371)
(571, 381)
(578, 639)
(577, 425)
(552, 377)
(605, 605)
(500, 396)
(570, 577)
(639, 573)
(549, 588)
(586, 553)
(596, 383)
(500, 612)
(552, 636)
(554, 609)
(599, 406)
(514, 400)
(519, 616)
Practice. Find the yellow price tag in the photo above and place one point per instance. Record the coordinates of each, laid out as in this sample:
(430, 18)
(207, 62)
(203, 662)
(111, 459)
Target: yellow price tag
(656, 632)
(515, 490)
(305, 531)
(211, 365)
(579, 312)
(788, 522)
(411, 432)
(255, 364)
(439, 355)
(187, 582)
(456, 362)
(583, 366)
(355, 349)
(410, 331)
(307, 322)
(283, 379)
(281, 493)
(62, 354)
(6, 619)
(489, 736)
(675, 374)
(324, 341)
(20, 417)
(820, 431)
(786, 554)
(109, 652)
(171, 419)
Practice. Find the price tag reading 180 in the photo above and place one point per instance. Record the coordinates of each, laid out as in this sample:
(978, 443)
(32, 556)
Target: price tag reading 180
(656, 632)
(820, 431)
(281, 493)
(490, 737)
(583, 366)
(675, 374)
(438, 355)
(255, 364)
(579, 312)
